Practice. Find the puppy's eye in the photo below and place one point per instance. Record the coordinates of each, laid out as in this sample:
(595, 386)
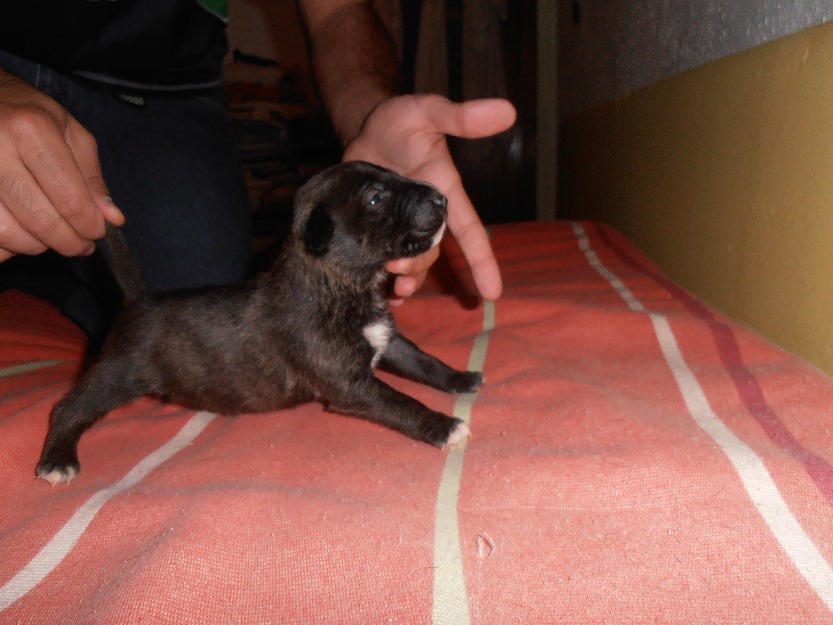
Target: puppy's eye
(375, 199)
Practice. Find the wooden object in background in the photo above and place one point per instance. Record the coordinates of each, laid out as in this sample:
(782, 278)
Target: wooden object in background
(465, 51)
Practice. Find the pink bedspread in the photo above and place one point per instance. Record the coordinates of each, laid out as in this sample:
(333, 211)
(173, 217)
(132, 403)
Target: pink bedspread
(636, 458)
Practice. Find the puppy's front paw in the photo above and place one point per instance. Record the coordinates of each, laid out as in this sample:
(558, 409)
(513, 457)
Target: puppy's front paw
(445, 431)
(465, 382)
(458, 435)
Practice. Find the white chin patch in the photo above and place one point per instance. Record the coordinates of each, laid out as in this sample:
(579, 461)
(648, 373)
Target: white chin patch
(439, 236)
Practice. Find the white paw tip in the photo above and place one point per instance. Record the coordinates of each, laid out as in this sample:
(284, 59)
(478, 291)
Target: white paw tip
(459, 434)
(56, 476)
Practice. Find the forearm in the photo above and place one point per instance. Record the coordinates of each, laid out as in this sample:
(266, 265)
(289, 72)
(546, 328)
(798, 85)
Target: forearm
(353, 59)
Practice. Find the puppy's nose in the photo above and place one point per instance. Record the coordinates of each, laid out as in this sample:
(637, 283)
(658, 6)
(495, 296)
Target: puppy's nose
(440, 201)
(431, 213)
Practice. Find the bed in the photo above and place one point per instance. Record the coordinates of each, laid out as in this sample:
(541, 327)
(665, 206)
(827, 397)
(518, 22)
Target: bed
(636, 458)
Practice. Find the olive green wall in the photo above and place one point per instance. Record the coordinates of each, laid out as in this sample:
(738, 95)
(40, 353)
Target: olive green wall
(723, 175)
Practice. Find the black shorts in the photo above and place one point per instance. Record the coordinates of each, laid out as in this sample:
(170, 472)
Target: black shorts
(170, 164)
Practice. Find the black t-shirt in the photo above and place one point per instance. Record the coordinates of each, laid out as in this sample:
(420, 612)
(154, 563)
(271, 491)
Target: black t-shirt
(145, 44)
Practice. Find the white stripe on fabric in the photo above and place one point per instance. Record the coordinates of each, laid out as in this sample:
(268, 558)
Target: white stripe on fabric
(26, 367)
(756, 479)
(451, 604)
(593, 258)
(53, 553)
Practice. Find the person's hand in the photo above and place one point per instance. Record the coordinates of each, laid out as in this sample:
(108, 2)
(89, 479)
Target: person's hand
(407, 134)
(52, 193)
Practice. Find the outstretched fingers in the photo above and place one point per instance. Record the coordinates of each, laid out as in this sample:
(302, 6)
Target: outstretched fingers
(473, 119)
(470, 233)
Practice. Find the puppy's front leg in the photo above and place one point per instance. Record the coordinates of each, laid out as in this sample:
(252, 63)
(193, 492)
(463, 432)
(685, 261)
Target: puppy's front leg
(375, 401)
(404, 358)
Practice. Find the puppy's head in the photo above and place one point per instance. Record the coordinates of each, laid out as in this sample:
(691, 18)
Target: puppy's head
(358, 215)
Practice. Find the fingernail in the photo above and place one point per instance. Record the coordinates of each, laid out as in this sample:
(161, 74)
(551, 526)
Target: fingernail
(110, 201)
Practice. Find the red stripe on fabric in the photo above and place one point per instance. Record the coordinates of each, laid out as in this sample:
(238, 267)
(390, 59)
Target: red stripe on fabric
(750, 392)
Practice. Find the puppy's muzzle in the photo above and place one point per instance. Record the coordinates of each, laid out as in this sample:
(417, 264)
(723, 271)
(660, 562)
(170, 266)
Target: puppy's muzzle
(428, 221)
(430, 213)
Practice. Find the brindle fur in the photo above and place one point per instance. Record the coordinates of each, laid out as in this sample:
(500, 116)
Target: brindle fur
(293, 334)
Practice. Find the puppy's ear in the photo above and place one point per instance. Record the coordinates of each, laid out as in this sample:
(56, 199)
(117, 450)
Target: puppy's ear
(319, 231)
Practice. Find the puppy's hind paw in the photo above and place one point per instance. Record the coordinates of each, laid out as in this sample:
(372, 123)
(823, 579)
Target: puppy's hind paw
(57, 475)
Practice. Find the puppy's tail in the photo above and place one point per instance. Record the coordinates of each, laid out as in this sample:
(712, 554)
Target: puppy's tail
(124, 268)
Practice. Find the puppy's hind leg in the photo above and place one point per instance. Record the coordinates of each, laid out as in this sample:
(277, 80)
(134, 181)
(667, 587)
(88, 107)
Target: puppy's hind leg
(404, 358)
(99, 391)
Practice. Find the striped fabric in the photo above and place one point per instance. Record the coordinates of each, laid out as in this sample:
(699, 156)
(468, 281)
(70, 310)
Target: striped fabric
(635, 458)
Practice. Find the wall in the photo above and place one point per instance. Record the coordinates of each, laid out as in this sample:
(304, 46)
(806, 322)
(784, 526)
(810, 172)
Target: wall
(723, 175)
(620, 46)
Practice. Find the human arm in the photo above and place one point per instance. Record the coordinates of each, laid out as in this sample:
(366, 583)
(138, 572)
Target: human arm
(52, 192)
(355, 68)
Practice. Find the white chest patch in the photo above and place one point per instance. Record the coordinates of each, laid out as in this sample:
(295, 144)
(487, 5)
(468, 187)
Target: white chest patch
(378, 335)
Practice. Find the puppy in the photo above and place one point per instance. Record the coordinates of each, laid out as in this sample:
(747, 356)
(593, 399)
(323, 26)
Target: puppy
(311, 328)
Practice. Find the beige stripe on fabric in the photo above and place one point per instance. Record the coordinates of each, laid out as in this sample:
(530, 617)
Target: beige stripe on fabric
(451, 605)
(62, 543)
(755, 477)
(26, 367)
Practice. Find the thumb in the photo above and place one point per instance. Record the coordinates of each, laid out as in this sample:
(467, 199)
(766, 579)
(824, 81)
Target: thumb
(104, 202)
(85, 150)
(473, 119)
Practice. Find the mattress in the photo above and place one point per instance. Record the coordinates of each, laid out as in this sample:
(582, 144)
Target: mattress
(635, 458)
